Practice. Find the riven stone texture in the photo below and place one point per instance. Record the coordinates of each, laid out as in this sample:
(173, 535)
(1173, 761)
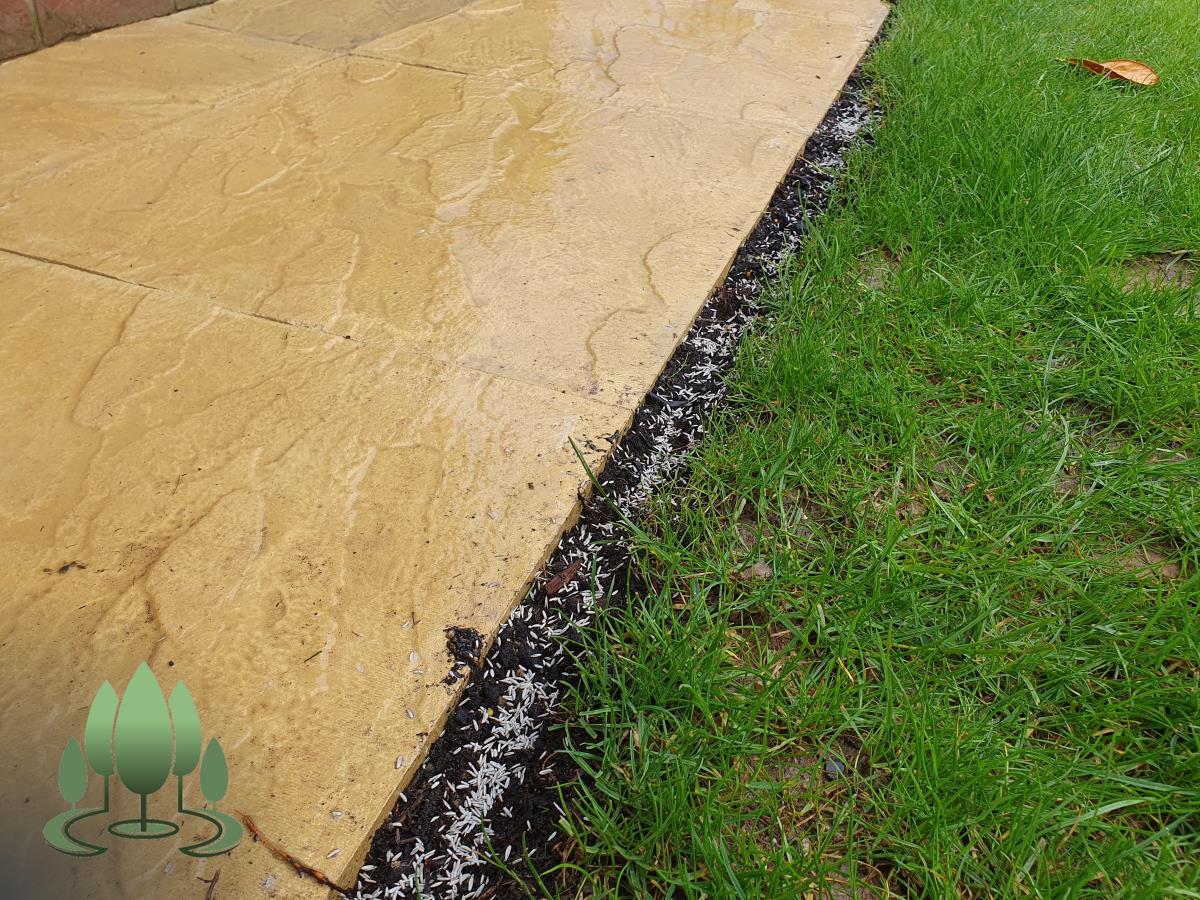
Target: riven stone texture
(113, 89)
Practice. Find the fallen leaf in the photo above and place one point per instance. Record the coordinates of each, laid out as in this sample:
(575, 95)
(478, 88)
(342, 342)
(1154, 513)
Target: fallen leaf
(1146, 562)
(1121, 69)
(563, 578)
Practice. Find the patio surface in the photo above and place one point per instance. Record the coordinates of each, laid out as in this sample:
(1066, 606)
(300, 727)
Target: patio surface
(300, 310)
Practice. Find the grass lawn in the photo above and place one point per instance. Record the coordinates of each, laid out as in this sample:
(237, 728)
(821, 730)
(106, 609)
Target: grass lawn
(926, 611)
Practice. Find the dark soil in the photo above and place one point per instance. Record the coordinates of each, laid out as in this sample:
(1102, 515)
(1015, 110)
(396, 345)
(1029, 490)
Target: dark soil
(464, 646)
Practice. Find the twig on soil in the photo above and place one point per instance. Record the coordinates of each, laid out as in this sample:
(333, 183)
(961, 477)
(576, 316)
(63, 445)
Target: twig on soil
(301, 868)
(212, 884)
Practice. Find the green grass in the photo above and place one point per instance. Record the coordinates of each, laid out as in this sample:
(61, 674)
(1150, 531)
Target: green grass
(969, 458)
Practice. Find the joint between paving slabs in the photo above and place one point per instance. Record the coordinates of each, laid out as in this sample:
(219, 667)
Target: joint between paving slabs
(95, 273)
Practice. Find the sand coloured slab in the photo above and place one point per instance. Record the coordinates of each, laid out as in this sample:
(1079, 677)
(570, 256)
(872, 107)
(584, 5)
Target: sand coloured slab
(299, 318)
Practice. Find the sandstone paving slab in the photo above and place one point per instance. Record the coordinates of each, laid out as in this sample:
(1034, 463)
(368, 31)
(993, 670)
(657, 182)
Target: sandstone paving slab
(120, 84)
(530, 233)
(319, 23)
(773, 64)
(857, 12)
(287, 521)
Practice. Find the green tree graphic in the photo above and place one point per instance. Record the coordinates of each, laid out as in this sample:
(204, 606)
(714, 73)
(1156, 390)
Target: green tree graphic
(72, 773)
(214, 781)
(98, 734)
(142, 739)
(214, 773)
(188, 740)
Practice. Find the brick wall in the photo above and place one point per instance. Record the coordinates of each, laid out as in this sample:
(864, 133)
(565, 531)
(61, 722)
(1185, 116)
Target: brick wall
(26, 25)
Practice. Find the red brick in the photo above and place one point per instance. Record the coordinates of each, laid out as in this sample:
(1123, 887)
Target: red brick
(18, 31)
(61, 18)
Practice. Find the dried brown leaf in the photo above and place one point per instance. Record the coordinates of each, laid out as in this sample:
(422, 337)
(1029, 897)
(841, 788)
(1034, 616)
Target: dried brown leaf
(563, 578)
(1120, 69)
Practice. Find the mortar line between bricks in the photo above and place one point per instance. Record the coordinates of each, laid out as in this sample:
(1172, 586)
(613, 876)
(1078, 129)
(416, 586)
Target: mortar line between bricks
(31, 5)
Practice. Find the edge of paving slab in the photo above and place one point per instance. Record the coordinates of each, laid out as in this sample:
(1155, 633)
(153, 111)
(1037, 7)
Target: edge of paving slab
(483, 805)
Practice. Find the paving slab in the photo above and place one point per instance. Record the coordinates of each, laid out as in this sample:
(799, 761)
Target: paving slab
(121, 85)
(503, 227)
(777, 66)
(320, 23)
(299, 335)
(286, 520)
